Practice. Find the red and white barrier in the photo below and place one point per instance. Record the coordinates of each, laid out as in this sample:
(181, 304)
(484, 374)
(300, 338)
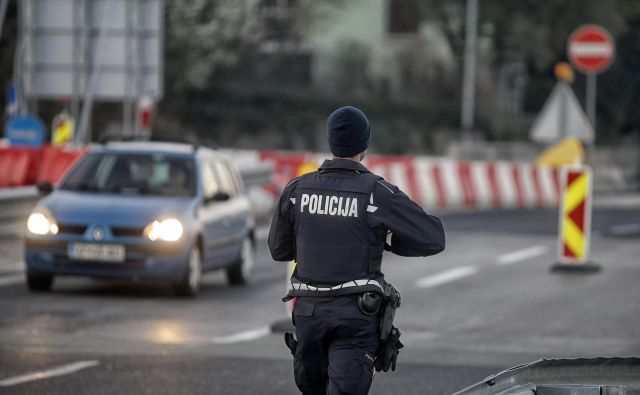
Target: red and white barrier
(433, 182)
(442, 183)
(20, 166)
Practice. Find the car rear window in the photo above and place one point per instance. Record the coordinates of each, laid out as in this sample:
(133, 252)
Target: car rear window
(128, 173)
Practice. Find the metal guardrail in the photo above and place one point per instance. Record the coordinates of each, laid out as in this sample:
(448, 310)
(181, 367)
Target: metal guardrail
(15, 206)
(17, 202)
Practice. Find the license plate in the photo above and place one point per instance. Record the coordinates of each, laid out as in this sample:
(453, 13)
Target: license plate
(97, 252)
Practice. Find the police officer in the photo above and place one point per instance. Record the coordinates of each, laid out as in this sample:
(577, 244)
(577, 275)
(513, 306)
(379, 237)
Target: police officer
(335, 223)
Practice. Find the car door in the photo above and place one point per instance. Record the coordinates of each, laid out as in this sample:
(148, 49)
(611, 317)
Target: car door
(237, 210)
(234, 210)
(211, 215)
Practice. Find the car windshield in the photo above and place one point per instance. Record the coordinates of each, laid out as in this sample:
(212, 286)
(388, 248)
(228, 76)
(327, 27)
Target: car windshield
(127, 173)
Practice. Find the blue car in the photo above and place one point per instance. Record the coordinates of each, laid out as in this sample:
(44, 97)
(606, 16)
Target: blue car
(143, 211)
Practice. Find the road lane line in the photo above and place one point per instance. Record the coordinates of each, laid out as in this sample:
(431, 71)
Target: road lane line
(11, 279)
(446, 276)
(45, 374)
(245, 336)
(624, 230)
(521, 255)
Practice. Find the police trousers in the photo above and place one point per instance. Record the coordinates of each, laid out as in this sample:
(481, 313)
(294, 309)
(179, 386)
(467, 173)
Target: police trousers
(336, 348)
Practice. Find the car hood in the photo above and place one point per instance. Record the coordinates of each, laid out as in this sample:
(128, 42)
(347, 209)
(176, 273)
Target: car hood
(133, 210)
(581, 376)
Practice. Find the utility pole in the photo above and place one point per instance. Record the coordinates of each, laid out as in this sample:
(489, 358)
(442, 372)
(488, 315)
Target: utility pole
(3, 13)
(469, 76)
(83, 136)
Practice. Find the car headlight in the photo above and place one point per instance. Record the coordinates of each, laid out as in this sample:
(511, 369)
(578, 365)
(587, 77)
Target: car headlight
(41, 223)
(169, 229)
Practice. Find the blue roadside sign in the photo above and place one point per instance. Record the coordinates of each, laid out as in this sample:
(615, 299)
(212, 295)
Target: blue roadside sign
(25, 130)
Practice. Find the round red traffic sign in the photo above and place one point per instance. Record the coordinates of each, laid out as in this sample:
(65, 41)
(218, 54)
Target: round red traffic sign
(591, 49)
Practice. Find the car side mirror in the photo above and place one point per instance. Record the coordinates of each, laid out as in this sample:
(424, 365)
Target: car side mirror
(218, 197)
(44, 188)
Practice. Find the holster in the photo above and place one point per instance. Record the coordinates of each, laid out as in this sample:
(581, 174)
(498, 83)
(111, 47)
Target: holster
(390, 344)
(291, 342)
(392, 301)
(387, 354)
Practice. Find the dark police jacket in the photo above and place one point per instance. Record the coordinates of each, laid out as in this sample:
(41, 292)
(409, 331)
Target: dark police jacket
(336, 223)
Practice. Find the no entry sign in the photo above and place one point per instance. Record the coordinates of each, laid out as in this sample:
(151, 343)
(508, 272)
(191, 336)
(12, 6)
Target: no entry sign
(591, 49)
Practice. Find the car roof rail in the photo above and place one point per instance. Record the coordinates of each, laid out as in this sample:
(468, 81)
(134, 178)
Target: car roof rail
(109, 138)
(195, 142)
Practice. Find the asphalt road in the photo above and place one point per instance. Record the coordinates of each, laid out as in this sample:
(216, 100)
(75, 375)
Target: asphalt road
(487, 303)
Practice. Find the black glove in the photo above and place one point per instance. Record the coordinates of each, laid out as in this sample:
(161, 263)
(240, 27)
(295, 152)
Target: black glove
(387, 354)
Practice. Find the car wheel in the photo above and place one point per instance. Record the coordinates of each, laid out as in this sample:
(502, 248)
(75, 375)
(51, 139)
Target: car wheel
(190, 283)
(240, 272)
(39, 281)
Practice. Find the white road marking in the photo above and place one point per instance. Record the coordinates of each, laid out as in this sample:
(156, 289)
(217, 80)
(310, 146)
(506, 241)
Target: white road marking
(11, 279)
(521, 255)
(245, 336)
(446, 276)
(45, 374)
(624, 230)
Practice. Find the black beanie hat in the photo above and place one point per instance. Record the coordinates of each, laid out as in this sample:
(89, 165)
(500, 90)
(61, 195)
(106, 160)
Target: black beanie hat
(348, 132)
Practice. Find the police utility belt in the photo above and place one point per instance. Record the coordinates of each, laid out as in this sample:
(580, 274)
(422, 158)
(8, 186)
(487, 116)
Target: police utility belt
(348, 288)
(373, 297)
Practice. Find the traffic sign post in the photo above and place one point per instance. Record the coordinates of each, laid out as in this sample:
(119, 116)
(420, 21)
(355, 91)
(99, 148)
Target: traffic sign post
(574, 235)
(591, 49)
(12, 100)
(592, 87)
